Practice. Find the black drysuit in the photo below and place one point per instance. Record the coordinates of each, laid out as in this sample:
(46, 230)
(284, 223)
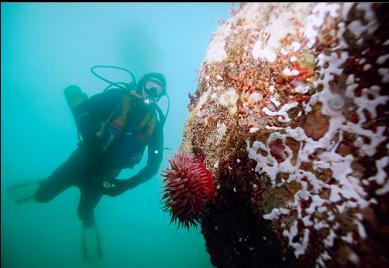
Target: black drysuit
(101, 158)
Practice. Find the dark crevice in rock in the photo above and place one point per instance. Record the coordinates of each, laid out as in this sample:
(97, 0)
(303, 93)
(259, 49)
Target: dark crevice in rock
(236, 237)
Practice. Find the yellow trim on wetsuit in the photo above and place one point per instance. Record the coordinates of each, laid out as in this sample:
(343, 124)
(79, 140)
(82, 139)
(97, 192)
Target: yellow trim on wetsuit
(121, 120)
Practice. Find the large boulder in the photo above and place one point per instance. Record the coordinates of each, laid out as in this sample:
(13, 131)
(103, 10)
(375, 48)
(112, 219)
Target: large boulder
(291, 117)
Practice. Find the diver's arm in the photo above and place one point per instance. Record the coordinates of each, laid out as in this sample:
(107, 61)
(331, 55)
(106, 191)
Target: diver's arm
(154, 160)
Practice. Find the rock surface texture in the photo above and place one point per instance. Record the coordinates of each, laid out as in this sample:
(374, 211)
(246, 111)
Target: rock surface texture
(291, 117)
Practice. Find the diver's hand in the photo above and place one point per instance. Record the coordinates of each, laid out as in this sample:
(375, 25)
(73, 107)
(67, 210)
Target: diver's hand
(108, 188)
(113, 187)
(117, 182)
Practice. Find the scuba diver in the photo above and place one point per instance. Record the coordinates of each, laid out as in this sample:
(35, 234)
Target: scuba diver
(114, 129)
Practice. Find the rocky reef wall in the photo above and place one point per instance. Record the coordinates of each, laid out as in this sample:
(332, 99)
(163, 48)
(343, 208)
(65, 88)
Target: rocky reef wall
(291, 116)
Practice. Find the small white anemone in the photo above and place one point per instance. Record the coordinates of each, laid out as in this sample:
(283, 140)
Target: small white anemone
(229, 99)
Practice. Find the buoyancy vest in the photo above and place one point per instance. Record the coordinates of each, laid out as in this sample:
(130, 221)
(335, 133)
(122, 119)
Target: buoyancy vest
(126, 137)
(135, 119)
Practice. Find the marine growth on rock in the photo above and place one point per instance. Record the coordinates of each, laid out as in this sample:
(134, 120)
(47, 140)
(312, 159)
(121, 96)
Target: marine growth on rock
(292, 110)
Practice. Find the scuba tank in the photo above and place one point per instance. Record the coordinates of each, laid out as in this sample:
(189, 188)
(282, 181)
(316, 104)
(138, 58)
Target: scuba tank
(74, 98)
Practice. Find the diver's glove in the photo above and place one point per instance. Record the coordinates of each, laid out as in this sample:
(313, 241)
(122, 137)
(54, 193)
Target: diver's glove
(114, 187)
(110, 187)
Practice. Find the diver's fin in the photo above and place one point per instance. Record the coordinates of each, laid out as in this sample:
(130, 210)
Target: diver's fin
(91, 244)
(23, 192)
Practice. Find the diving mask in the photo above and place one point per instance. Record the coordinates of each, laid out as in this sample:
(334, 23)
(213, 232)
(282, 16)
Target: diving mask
(153, 88)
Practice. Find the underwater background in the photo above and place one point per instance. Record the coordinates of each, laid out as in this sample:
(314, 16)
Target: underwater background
(45, 48)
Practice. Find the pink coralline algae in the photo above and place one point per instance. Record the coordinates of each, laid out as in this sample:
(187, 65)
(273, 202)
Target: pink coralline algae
(188, 187)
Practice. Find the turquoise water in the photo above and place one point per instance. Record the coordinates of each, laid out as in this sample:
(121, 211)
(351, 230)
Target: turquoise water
(46, 47)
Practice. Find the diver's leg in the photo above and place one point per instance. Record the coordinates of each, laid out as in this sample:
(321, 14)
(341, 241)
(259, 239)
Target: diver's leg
(62, 178)
(88, 201)
(50, 188)
(45, 190)
(91, 242)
